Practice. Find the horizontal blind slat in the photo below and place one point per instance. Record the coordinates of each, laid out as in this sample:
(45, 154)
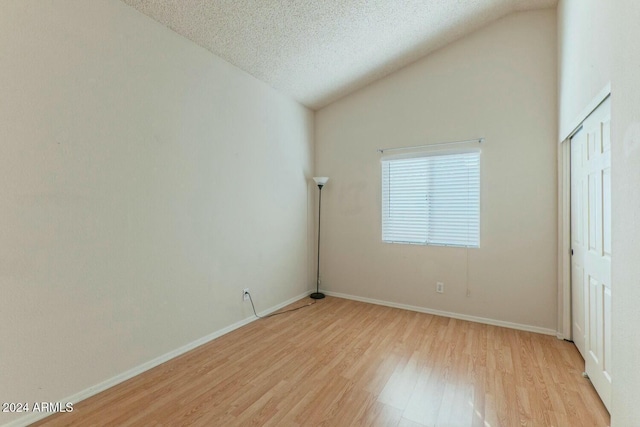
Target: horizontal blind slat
(432, 200)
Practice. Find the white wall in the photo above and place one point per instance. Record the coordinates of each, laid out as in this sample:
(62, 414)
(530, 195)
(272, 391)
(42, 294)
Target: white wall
(143, 183)
(584, 33)
(598, 44)
(498, 83)
(625, 181)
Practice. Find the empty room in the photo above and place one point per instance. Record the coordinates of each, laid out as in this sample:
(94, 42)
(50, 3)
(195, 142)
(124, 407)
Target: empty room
(302, 213)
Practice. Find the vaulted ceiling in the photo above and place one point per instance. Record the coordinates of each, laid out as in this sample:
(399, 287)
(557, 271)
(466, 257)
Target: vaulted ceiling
(317, 51)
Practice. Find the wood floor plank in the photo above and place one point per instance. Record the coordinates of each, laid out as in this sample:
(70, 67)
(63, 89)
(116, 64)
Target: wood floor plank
(378, 415)
(346, 363)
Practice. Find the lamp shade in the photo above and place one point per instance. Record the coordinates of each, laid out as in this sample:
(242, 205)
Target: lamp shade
(321, 180)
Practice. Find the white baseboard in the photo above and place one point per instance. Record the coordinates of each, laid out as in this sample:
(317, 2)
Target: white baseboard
(519, 326)
(93, 390)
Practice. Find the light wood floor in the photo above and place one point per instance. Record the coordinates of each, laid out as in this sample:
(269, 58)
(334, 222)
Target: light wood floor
(346, 363)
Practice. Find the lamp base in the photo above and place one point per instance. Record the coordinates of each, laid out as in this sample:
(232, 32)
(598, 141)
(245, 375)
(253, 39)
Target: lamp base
(317, 295)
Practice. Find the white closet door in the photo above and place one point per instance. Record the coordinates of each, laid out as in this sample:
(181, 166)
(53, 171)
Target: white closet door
(591, 246)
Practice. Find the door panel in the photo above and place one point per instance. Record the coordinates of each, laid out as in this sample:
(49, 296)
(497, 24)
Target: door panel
(606, 213)
(578, 317)
(606, 362)
(606, 134)
(578, 226)
(595, 332)
(592, 143)
(594, 220)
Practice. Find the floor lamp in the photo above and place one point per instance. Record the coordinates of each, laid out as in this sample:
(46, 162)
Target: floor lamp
(321, 181)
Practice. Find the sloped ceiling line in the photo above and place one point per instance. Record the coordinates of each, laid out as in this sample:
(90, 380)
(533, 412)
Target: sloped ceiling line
(319, 51)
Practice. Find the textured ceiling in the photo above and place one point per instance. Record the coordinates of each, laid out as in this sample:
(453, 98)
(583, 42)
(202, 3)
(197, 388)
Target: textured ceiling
(319, 50)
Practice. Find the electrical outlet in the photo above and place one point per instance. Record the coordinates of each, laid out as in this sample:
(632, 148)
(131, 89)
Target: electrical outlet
(245, 294)
(440, 287)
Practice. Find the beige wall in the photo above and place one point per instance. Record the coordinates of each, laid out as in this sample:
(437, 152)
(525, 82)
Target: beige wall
(498, 83)
(144, 183)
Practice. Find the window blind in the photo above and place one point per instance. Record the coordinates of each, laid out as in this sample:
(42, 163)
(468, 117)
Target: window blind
(432, 200)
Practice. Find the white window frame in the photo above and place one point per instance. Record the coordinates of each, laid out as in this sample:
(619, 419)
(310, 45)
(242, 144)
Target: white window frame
(432, 198)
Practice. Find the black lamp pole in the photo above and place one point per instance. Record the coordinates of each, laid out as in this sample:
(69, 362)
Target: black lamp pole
(317, 294)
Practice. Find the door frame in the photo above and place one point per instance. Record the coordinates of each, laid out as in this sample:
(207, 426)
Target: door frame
(564, 213)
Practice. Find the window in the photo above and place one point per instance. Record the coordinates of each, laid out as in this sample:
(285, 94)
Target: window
(432, 200)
